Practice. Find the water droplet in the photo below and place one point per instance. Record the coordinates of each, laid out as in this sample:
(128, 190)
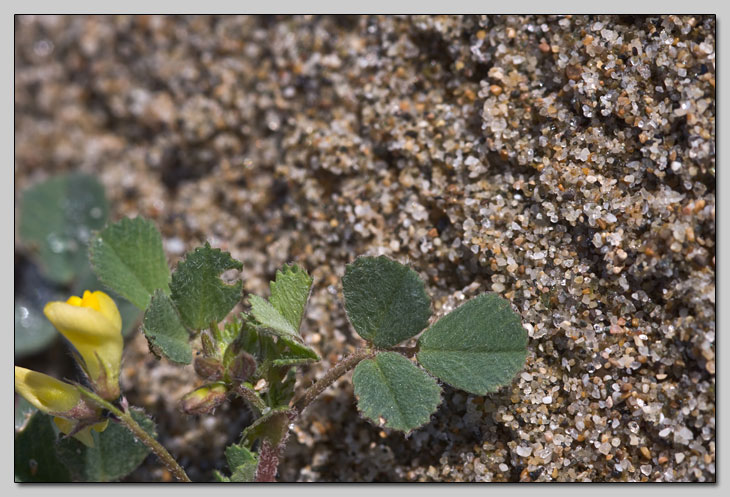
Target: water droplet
(95, 212)
(83, 233)
(55, 244)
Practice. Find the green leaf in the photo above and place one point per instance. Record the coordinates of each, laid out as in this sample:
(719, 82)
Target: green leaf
(243, 463)
(200, 295)
(269, 317)
(385, 301)
(478, 347)
(33, 331)
(295, 353)
(290, 292)
(281, 387)
(36, 459)
(127, 257)
(115, 454)
(131, 315)
(271, 426)
(165, 332)
(58, 217)
(391, 387)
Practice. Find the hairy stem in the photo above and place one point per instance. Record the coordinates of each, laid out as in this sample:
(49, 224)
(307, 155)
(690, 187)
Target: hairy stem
(216, 331)
(406, 351)
(252, 398)
(128, 421)
(302, 401)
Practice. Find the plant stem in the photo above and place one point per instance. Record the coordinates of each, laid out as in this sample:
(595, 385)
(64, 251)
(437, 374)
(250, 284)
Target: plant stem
(128, 421)
(216, 331)
(406, 351)
(301, 402)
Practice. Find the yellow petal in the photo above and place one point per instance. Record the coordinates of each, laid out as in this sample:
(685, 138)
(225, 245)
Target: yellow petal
(84, 435)
(45, 392)
(101, 426)
(93, 325)
(108, 308)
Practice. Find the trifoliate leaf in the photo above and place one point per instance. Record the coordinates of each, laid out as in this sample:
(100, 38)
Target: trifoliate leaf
(290, 292)
(199, 294)
(36, 459)
(478, 347)
(127, 257)
(58, 217)
(115, 454)
(389, 387)
(165, 332)
(282, 314)
(385, 301)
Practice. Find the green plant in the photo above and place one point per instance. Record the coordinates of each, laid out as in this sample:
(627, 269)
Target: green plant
(478, 347)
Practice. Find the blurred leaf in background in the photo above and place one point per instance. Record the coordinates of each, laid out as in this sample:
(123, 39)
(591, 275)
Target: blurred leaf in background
(57, 218)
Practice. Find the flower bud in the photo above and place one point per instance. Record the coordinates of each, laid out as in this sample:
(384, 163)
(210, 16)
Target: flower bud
(208, 368)
(72, 414)
(209, 348)
(204, 399)
(242, 367)
(93, 325)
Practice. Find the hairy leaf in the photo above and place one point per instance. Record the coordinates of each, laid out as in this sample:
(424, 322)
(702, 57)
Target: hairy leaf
(115, 454)
(199, 294)
(242, 462)
(165, 332)
(272, 319)
(57, 217)
(290, 292)
(385, 301)
(392, 388)
(127, 257)
(478, 347)
(271, 426)
(294, 353)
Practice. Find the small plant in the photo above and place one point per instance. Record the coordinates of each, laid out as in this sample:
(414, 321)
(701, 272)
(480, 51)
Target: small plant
(478, 347)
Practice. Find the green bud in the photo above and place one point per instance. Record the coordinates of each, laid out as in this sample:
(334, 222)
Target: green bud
(203, 400)
(242, 367)
(209, 348)
(208, 368)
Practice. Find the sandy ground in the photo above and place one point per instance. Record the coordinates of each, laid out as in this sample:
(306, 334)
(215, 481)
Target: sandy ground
(566, 163)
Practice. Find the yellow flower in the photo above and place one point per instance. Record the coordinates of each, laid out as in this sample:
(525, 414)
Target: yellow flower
(61, 400)
(46, 393)
(93, 325)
